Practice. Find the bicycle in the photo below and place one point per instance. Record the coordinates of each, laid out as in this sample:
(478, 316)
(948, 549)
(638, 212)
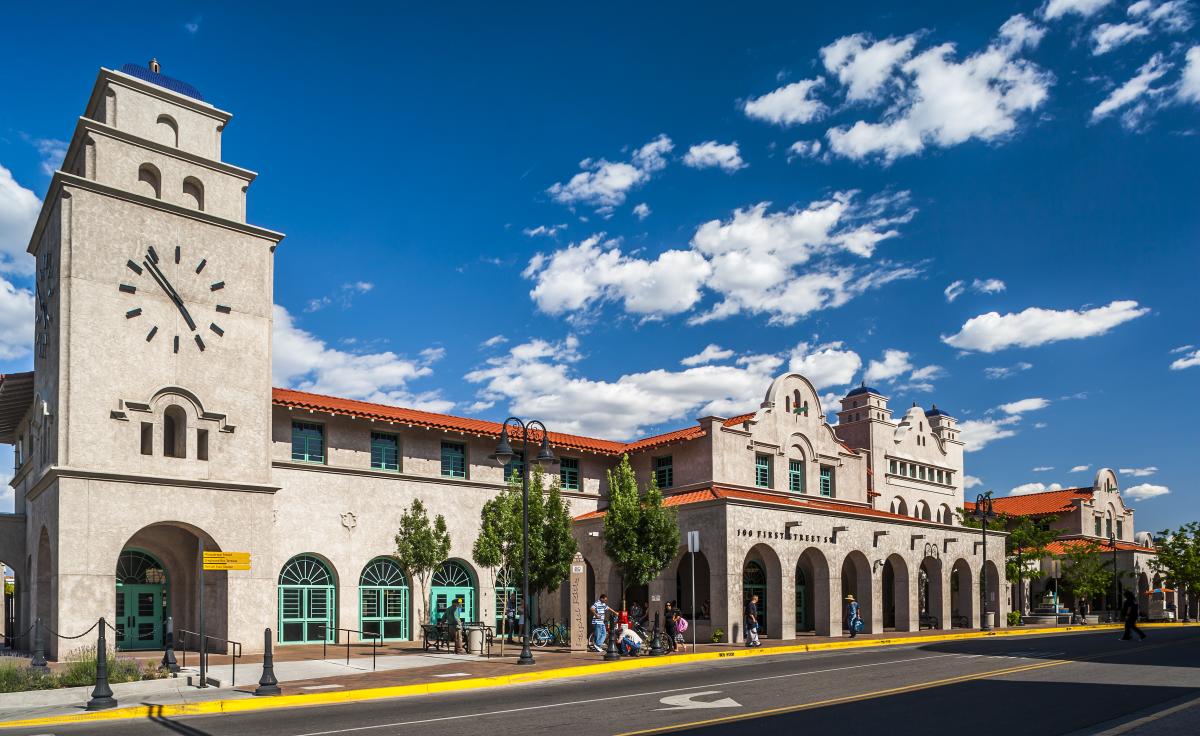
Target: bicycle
(551, 634)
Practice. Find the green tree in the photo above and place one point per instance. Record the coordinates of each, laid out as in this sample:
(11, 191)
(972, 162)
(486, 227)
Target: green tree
(1087, 573)
(641, 536)
(1026, 545)
(1177, 558)
(558, 543)
(421, 546)
(498, 546)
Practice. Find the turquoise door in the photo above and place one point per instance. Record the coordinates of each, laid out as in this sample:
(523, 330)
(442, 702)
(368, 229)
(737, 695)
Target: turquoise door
(306, 602)
(802, 623)
(383, 601)
(451, 581)
(139, 617)
(754, 582)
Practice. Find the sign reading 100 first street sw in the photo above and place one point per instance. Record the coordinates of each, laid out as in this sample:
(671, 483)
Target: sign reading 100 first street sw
(226, 560)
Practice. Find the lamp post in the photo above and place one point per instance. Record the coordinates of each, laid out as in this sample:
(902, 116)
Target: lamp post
(1112, 541)
(504, 453)
(983, 512)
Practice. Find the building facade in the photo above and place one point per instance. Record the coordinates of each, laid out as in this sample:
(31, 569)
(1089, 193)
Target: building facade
(149, 432)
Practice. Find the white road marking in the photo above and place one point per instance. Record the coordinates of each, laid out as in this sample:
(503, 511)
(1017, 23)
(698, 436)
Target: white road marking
(686, 702)
(320, 687)
(453, 674)
(616, 697)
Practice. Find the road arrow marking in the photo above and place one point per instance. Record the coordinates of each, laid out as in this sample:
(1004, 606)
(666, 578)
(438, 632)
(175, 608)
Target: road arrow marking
(686, 702)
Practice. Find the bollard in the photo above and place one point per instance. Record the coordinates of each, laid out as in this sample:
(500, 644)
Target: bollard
(168, 660)
(611, 653)
(39, 647)
(102, 694)
(656, 649)
(267, 684)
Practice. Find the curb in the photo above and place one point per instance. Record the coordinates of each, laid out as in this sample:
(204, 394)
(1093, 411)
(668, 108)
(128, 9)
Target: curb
(428, 688)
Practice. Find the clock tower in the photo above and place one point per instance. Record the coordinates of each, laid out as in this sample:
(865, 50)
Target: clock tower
(154, 295)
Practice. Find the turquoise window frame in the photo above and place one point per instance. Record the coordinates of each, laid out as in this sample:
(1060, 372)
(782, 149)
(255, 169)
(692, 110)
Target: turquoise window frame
(762, 470)
(664, 471)
(383, 601)
(796, 476)
(305, 437)
(454, 460)
(516, 465)
(385, 451)
(568, 474)
(827, 481)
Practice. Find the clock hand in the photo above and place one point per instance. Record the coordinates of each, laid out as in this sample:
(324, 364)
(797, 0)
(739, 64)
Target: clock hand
(162, 281)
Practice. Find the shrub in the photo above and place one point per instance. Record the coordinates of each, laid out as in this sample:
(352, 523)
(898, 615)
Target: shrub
(718, 635)
(1014, 618)
(80, 668)
(16, 676)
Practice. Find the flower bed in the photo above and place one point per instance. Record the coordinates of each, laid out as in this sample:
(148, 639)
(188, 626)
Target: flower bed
(78, 669)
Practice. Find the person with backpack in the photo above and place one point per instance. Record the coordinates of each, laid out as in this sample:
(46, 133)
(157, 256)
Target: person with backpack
(1129, 611)
(453, 619)
(852, 617)
(752, 622)
(679, 625)
(599, 618)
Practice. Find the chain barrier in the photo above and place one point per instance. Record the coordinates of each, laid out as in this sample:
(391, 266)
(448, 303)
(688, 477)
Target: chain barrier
(77, 636)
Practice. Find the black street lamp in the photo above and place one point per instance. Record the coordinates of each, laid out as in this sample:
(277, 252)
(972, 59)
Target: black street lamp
(1112, 541)
(983, 512)
(503, 455)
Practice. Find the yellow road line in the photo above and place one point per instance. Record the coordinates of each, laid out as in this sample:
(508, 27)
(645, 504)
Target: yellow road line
(427, 688)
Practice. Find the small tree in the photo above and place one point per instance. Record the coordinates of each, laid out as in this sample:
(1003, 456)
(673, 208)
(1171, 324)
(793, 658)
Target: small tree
(1027, 543)
(1177, 557)
(558, 543)
(1088, 574)
(421, 547)
(641, 536)
(499, 539)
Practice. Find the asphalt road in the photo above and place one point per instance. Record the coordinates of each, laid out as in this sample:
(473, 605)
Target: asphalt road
(1052, 685)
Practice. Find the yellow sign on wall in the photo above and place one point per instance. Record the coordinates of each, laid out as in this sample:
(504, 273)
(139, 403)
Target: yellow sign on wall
(226, 560)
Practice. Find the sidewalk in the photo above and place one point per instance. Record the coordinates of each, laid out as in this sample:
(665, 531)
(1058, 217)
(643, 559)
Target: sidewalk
(407, 670)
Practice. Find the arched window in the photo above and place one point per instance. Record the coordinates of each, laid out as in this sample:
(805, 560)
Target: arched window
(899, 507)
(175, 432)
(383, 600)
(306, 601)
(149, 181)
(193, 192)
(167, 131)
(452, 581)
(945, 515)
(921, 511)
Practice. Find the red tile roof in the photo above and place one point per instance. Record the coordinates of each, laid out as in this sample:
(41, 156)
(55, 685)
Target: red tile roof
(1064, 546)
(715, 493)
(1037, 504)
(382, 412)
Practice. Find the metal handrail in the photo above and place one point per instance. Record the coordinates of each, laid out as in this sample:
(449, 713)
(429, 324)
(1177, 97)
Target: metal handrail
(237, 648)
(375, 640)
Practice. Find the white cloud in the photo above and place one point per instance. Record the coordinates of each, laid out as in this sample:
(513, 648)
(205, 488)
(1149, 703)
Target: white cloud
(711, 354)
(804, 149)
(1172, 15)
(935, 100)
(1187, 360)
(955, 290)
(828, 365)
(1144, 491)
(788, 105)
(642, 211)
(1024, 405)
(192, 26)
(16, 321)
(19, 208)
(604, 184)
(1181, 349)
(1036, 326)
(988, 286)
(1054, 9)
(1189, 84)
(493, 341)
(894, 364)
(303, 361)
(970, 481)
(52, 150)
(1139, 472)
(7, 498)
(1137, 97)
(864, 65)
(751, 262)
(547, 230)
(344, 296)
(1027, 488)
(709, 154)
(978, 433)
(1081, 468)
(1043, 468)
(1109, 36)
(1040, 425)
(1006, 371)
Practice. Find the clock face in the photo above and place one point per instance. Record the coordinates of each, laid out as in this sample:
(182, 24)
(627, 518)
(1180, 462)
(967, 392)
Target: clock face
(176, 280)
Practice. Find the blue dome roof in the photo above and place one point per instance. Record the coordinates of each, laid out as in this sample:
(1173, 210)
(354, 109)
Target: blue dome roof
(162, 80)
(936, 412)
(863, 389)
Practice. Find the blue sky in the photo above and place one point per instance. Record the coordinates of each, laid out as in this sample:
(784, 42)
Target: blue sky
(558, 213)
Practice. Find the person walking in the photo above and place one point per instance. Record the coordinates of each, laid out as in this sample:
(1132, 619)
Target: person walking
(852, 617)
(669, 624)
(752, 622)
(1129, 611)
(599, 617)
(454, 621)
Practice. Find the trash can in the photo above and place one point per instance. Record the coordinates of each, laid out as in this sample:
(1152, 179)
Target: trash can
(475, 641)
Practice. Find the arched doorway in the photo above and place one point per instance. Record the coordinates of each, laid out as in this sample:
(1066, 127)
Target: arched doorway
(895, 593)
(762, 574)
(991, 594)
(754, 583)
(142, 601)
(683, 587)
(929, 594)
(383, 601)
(856, 581)
(307, 601)
(963, 597)
(452, 581)
(812, 592)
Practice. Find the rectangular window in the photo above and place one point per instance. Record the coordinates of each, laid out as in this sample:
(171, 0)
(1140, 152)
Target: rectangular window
(921, 472)
(941, 477)
(1108, 527)
(796, 476)
(1120, 529)
(568, 474)
(147, 438)
(308, 442)
(949, 478)
(1097, 526)
(762, 470)
(454, 460)
(664, 472)
(202, 444)
(892, 467)
(827, 483)
(385, 451)
(516, 465)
